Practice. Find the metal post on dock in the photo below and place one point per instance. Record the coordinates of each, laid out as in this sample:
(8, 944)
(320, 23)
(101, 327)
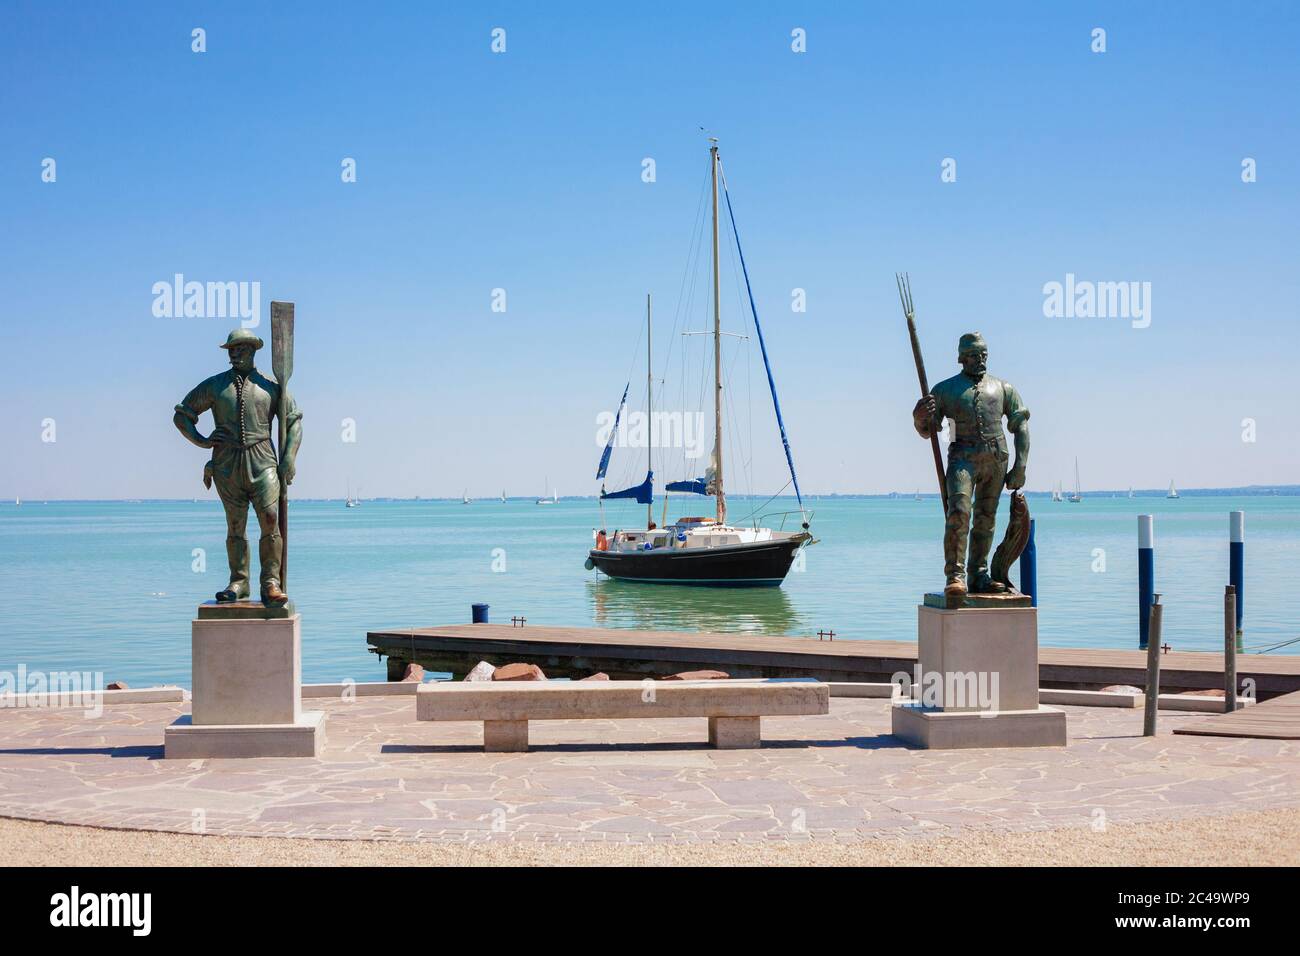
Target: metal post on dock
(1237, 560)
(1230, 648)
(1153, 668)
(1146, 576)
(1029, 567)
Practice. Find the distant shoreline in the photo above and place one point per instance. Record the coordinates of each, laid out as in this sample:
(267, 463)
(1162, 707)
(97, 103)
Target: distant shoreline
(1256, 491)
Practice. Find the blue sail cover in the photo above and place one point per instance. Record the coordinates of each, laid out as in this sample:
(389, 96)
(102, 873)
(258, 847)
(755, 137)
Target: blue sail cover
(694, 486)
(644, 493)
(609, 445)
(776, 404)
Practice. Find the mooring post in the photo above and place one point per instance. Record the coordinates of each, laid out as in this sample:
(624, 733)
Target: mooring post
(1146, 576)
(1230, 620)
(1153, 669)
(1029, 567)
(1237, 560)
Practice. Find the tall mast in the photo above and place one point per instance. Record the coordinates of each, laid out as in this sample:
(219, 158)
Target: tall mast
(649, 409)
(717, 344)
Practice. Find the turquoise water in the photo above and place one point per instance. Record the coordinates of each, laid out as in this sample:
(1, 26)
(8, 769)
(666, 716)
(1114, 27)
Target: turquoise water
(109, 586)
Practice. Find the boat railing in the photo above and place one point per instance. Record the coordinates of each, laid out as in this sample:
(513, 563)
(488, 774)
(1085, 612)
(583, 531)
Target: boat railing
(783, 515)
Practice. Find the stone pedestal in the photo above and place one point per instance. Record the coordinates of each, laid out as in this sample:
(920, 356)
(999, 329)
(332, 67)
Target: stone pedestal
(977, 684)
(247, 699)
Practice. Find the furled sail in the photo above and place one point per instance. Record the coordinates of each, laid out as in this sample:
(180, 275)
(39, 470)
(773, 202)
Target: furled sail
(644, 493)
(699, 486)
(609, 445)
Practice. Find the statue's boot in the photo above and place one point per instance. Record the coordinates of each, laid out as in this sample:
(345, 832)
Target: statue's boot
(983, 583)
(268, 553)
(956, 586)
(237, 554)
(272, 596)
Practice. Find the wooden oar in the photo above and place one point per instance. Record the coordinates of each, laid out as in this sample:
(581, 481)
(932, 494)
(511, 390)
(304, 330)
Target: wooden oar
(282, 367)
(905, 296)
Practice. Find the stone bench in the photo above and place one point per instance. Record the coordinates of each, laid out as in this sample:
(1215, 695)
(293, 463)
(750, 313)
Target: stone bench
(733, 708)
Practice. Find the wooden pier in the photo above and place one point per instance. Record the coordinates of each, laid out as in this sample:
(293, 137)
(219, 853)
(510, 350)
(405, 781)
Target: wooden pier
(630, 655)
(1276, 719)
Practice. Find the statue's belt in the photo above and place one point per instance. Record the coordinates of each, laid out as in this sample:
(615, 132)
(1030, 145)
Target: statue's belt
(980, 446)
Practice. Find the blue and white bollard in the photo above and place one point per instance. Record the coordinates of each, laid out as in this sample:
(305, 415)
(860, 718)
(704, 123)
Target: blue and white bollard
(1029, 567)
(1237, 558)
(1146, 576)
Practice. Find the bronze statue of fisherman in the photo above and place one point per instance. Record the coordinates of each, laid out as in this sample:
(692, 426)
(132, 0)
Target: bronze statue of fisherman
(977, 470)
(243, 403)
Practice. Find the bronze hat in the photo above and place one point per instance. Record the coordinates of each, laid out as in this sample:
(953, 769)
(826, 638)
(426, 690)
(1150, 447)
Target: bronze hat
(242, 337)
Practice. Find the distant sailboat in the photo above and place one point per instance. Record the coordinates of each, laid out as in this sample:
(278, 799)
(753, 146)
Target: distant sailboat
(918, 494)
(464, 498)
(1173, 492)
(503, 496)
(18, 502)
(1056, 493)
(1078, 490)
(554, 499)
(1130, 491)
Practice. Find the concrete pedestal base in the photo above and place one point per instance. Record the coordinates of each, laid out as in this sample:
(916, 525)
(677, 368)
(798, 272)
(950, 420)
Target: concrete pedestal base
(247, 699)
(976, 684)
(184, 740)
(957, 730)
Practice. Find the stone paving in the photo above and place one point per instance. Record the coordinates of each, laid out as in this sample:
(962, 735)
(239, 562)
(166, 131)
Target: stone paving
(837, 777)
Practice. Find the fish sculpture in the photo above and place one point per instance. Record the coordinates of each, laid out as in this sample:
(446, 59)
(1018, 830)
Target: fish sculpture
(1013, 542)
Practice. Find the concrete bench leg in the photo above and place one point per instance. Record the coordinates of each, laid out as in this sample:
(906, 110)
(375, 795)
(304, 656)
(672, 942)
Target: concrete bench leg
(505, 736)
(735, 733)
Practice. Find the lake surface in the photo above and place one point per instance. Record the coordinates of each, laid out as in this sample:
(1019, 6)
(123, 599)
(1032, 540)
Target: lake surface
(112, 586)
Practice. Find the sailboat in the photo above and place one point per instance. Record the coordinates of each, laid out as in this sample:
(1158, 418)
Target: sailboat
(1056, 493)
(503, 496)
(701, 550)
(351, 502)
(1173, 493)
(1078, 492)
(464, 498)
(553, 500)
(1130, 491)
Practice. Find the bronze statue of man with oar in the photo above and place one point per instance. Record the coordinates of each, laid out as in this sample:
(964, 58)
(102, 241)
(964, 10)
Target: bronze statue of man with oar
(244, 464)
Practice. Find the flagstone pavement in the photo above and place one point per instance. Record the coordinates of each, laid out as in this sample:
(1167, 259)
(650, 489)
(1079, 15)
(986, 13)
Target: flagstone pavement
(837, 777)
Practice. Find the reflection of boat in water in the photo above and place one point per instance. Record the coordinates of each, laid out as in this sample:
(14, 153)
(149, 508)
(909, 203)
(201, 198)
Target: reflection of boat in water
(621, 604)
(700, 550)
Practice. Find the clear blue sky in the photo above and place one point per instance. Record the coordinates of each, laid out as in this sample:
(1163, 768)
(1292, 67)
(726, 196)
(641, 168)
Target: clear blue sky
(523, 171)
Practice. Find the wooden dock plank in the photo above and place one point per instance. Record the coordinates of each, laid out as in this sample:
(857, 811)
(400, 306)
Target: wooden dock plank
(575, 651)
(1276, 719)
